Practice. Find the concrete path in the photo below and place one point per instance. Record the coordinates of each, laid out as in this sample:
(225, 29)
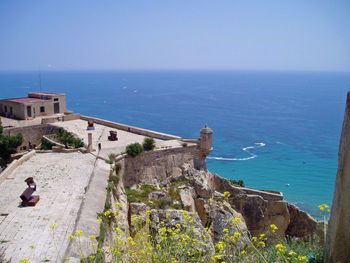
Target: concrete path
(61, 180)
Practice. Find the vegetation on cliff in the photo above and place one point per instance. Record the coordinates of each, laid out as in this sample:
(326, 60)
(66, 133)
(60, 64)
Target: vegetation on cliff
(178, 240)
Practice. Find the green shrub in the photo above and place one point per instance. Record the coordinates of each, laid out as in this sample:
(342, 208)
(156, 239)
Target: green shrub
(134, 149)
(239, 182)
(8, 146)
(68, 139)
(46, 145)
(114, 179)
(184, 144)
(77, 143)
(111, 158)
(149, 144)
(117, 167)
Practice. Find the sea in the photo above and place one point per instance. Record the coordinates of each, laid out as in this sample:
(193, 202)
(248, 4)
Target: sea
(274, 130)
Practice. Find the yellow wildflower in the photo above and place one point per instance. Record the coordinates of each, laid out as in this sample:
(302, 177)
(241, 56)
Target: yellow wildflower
(236, 220)
(262, 244)
(273, 228)
(323, 207)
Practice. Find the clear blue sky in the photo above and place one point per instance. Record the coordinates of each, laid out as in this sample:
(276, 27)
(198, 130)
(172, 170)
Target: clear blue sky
(168, 34)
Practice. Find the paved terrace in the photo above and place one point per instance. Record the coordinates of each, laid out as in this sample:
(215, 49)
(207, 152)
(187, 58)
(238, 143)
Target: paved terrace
(101, 133)
(62, 181)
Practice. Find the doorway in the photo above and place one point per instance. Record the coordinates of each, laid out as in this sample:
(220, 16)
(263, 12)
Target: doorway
(29, 111)
(56, 108)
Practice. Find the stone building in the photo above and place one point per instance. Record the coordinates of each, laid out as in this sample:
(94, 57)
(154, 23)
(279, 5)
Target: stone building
(36, 104)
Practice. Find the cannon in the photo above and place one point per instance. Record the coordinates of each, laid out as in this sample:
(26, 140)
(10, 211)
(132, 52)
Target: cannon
(113, 136)
(27, 198)
(90, 125)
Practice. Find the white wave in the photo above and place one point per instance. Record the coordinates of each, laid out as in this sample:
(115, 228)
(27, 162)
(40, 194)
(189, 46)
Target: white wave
(245, 149)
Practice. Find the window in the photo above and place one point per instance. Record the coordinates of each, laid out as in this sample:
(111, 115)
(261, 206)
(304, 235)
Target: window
(42, 109)
(55, 99)
(11, 111)
(5, 108)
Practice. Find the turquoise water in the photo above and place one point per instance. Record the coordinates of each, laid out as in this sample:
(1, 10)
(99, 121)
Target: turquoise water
(270, 128)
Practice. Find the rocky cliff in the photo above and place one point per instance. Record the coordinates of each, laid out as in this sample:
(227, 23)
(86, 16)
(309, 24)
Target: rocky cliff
(164, 182)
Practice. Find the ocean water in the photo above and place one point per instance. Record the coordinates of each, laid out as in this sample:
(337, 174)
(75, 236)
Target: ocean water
(273, 130)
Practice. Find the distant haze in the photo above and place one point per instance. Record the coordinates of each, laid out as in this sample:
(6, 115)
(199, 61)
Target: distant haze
(165, 34)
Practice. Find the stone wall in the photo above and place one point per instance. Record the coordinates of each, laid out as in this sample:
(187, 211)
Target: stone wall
(32, 134)
(338, 239)
(136, 130)
(155, 167)
(71, 117)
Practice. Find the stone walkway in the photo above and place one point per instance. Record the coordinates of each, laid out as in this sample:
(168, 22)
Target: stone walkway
(61, 179)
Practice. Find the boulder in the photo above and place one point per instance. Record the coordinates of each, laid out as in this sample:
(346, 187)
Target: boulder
(222, 218)
(253, 208)
(277, 213)
(187, 200)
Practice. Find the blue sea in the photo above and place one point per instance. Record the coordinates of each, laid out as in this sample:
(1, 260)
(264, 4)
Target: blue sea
(273, 130)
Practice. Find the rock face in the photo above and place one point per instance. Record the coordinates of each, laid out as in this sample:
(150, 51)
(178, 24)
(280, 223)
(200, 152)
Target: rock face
(222, 218)
(301, 223)
(201, 193)
(338, 239)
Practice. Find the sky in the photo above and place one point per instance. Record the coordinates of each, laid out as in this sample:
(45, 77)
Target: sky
(308, 35)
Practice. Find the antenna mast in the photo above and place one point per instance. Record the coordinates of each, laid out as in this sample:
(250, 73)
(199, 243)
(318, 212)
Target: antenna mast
(40, 77)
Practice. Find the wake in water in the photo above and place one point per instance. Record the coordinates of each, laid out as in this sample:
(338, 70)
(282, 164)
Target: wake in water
(246, 149)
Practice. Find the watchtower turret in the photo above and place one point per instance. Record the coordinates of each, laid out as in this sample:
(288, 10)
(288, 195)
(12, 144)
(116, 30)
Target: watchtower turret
(206, 141)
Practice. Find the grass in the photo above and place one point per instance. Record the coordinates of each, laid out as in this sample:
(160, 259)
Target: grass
(139, 196)
(171, 200)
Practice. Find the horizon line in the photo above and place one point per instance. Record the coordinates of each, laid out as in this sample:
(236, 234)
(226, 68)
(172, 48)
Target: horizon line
(178, 69)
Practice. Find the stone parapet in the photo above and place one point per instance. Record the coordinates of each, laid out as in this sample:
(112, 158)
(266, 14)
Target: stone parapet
(12, 166)
(132, 129)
